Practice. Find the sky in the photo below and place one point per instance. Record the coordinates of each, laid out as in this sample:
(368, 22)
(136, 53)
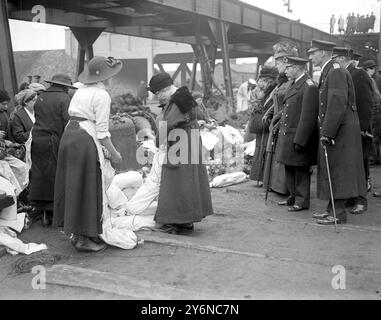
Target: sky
(316, 13)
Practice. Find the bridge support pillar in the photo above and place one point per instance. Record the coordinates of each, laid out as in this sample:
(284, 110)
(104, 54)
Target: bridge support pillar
(8, 79)
(226, 66)
(86, 38)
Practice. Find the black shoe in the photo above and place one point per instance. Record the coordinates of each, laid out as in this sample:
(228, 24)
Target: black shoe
(288, 202)
(331, 220)
(358, 209)
(84, 244)
(296, 208)
(46, 219)
(169, 228)
(376, 194)
(186, 226)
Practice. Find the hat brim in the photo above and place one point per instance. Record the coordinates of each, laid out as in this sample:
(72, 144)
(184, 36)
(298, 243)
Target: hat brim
(61, 84)
(312, 50)
(86, 78)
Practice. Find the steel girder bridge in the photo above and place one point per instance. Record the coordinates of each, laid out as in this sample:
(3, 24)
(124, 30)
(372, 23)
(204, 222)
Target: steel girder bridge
(214, 28)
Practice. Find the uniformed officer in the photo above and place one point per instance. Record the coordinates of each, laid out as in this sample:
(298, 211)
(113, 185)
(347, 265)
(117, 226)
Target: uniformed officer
(339, 130)
(364, 102)
(298, 135)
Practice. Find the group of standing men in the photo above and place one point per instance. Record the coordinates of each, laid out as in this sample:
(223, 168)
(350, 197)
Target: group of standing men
(326, 124)
(354, 24)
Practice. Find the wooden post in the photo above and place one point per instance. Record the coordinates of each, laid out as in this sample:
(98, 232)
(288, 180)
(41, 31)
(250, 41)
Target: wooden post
(8, 79)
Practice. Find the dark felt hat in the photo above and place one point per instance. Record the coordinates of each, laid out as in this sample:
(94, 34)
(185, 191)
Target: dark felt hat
(342, 52)
(269, 72)
(321, 45)
(4, 96)
(100, 69)
(159, 81)
(292, 61)
(62, 80)
(369, 64)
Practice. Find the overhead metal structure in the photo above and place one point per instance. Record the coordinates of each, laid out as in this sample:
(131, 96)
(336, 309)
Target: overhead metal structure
(213, 27)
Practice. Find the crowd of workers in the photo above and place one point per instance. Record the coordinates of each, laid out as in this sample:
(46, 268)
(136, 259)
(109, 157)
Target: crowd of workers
(352, 23)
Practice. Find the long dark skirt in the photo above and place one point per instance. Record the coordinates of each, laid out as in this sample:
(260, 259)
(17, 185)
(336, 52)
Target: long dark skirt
(184, 195)
(258, 166)
(78, 187)
(44, 153)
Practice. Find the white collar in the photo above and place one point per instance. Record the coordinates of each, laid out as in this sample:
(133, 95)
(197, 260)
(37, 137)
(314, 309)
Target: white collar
(300, 77)
(31, 115)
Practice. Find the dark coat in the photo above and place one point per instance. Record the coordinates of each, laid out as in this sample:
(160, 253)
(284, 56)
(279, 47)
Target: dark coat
(364, 103)
(51, 112)
(4, 122)
(299, 124)
(338, 119)
(184, 195)
(20, 125)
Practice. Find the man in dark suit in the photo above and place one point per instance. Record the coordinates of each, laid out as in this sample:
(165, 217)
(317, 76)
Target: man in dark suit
(364, 102)
(298, 133)
(339, 130)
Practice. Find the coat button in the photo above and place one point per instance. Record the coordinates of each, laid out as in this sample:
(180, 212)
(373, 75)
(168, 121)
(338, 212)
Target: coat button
(322, 104)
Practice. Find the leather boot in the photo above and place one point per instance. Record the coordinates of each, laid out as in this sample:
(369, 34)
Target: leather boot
(84, 244)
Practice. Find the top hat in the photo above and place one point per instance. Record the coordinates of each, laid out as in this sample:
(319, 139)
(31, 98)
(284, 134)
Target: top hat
(62, 80)
(292, 61)
(100, 69)
(268, 72)
(342, 52)
(321, 45)
(369, 64)
(159, 81)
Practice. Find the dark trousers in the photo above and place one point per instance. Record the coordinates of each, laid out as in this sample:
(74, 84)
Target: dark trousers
(298, 181)
(362, 200)
(341, 212)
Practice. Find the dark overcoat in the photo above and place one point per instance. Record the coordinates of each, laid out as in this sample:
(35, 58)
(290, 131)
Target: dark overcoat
(338, 119)
(299, 124)
(51, 112)
(184, 195)
(20, 125)
(364, 103)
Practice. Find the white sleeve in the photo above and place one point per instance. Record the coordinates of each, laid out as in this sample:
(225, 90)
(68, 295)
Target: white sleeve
(102, 104)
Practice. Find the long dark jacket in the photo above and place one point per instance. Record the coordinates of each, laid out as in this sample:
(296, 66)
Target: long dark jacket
(184, 195)
(20, 125)
(364, 102)
(299, 124)
(51, 112)
(338, 119)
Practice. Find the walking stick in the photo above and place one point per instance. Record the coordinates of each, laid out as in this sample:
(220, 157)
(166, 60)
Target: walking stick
(330, 185)
(260, 154)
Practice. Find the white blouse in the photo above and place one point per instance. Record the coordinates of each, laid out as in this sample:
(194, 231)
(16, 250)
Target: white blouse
(93, 102)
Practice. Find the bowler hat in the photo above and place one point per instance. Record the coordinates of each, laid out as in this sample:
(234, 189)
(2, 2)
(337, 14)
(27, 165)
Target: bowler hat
(269, 72)
(342, 52)
(159, 81)
(321, 45)
(369, 64)
(62, 80)
(100, 69)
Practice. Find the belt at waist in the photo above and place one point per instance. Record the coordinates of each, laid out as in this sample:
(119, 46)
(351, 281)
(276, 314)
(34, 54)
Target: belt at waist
(74, 118)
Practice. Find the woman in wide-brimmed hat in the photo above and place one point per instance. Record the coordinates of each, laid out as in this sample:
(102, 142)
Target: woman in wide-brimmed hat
(82, 179)
(51, 116)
